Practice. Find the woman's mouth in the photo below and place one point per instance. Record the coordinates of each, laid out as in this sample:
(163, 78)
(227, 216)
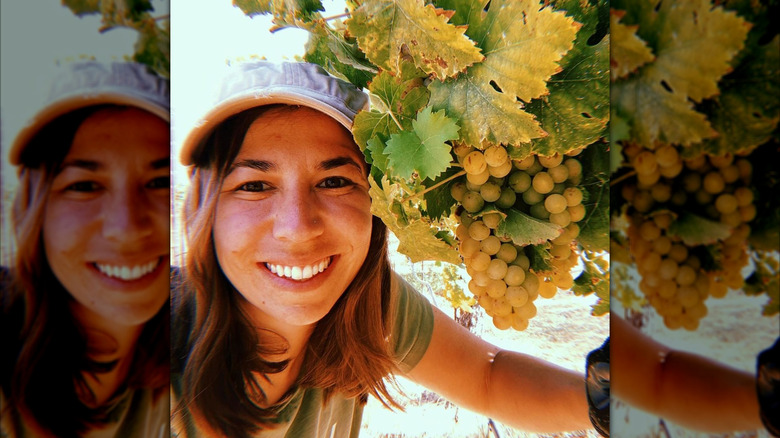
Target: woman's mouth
(127, 272)
(300, 273)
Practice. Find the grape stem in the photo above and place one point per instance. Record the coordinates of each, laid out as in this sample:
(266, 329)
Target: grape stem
(438, 184)
(392, 116)
(621, 178)
(333, 17)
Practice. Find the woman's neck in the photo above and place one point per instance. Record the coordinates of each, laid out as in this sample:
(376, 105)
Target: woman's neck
(294, 338)
(107, 343)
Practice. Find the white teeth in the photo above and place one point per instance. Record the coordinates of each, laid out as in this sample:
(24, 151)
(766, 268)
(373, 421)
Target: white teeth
(299, 272)
(128, 273)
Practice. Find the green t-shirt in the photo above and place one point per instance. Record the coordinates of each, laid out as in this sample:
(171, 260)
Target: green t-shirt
(135, 414)
(340, 417)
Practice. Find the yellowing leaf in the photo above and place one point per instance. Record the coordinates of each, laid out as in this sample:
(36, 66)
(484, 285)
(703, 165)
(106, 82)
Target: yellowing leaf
(417, 239)
(523, 44)
(576, 111)
(387, 28)
(484, 113)
(656, 114)
(628, 51)
(693, 43)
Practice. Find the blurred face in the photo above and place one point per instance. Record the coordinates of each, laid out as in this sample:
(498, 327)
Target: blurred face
(105, 228)
(293, 220)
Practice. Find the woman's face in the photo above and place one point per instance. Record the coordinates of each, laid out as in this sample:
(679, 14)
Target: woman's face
(105, 228)
(293, 219)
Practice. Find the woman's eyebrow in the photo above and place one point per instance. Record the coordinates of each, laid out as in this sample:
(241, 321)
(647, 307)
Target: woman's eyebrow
(82, 164)
(338, 162)
(162, 163)
(263, 166)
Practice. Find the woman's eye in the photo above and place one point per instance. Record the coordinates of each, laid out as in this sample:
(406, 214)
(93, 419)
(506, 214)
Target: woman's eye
(163, 182)
(335, 182)
(254, 186)
(83, 186)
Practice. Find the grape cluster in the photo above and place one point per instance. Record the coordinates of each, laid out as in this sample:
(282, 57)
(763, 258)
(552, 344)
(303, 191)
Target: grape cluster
(543, 187)
(678, 278)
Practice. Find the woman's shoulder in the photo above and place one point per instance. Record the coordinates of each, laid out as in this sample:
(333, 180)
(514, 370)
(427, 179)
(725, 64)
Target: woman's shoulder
(413, 323)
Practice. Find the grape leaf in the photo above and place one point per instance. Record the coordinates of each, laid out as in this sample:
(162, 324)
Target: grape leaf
(286, 12)
(682, 35)
(747, 112)
(539, 257)
(695, 230)
(594, 227)
(83, 7)
(386, 28)
(523, 44)
(422, 150)
(592, 279)
(576, 112)
(153, 47)
(655, 114)
(374, 148)
(417, 239)
(439, 201)
(394, 98)
(526, 230)
(628, 51)
(338, 56)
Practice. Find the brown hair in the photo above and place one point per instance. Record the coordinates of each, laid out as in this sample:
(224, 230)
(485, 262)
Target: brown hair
(348, 352)
(45, 351)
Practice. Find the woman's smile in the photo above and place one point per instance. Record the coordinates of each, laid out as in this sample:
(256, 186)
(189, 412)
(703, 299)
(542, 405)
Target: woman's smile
(299, 272)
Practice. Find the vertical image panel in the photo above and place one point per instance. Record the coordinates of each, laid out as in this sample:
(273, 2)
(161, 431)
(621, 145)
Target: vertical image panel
(390, 218)
(695, 102)
(85, 220)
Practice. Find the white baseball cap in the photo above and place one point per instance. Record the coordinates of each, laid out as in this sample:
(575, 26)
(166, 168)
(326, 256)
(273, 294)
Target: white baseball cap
(261, 83)
(91, 83)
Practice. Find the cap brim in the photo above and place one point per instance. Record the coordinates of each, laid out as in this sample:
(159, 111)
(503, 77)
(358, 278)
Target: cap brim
(247, 100)
(72, 103)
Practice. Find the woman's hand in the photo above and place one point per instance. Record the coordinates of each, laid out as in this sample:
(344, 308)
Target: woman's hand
(513, 388)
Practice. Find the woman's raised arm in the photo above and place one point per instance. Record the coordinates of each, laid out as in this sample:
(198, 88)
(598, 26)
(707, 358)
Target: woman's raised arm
(688, 389)
(513, 388)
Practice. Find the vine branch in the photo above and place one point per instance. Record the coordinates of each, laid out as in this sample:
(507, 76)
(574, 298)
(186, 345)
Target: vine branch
(438, 184)
(621, 178)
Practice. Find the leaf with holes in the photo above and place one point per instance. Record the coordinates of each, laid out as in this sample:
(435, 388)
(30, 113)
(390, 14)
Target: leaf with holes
(388, 29)
(523, 45)
(628, 51)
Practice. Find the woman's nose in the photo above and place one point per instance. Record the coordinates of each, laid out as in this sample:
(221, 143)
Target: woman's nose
(127, 216)
(298, 217)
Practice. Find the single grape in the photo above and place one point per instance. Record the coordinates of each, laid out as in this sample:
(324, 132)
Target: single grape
(496, 288)
(531, 197)
(491, 245)
(726, 203)
(507, 199)
(473, 202)
(667, 156)
(542, 182)
(539, 211)
(574, 166)
(507, 252)
(561, 219)
(576, 213)
(547, 289)
(645, 163)
(522, 261)
(713, 183)
(496, 155)
(457, 190)
(516, 295)
(479, 231)
(525, 163)
(515, 275)
(559, 174)
(500, 171)
(478, 179)
(475, 162)
(519, 181)
(551, 161)
(490, 192)
(480, 261)
(555, 203)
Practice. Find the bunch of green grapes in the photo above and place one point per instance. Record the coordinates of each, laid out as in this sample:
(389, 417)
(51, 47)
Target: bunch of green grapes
(677, 278)
(543, 187)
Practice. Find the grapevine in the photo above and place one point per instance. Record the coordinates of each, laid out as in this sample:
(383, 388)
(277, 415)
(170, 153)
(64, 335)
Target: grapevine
(485, 134)
(692, 191)
(153, 45)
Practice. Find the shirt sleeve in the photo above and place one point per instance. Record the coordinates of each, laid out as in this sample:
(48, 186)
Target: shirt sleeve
(413, 326)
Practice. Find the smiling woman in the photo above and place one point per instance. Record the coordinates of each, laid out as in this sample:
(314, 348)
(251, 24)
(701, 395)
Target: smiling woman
(288, 314)
(84, 305)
